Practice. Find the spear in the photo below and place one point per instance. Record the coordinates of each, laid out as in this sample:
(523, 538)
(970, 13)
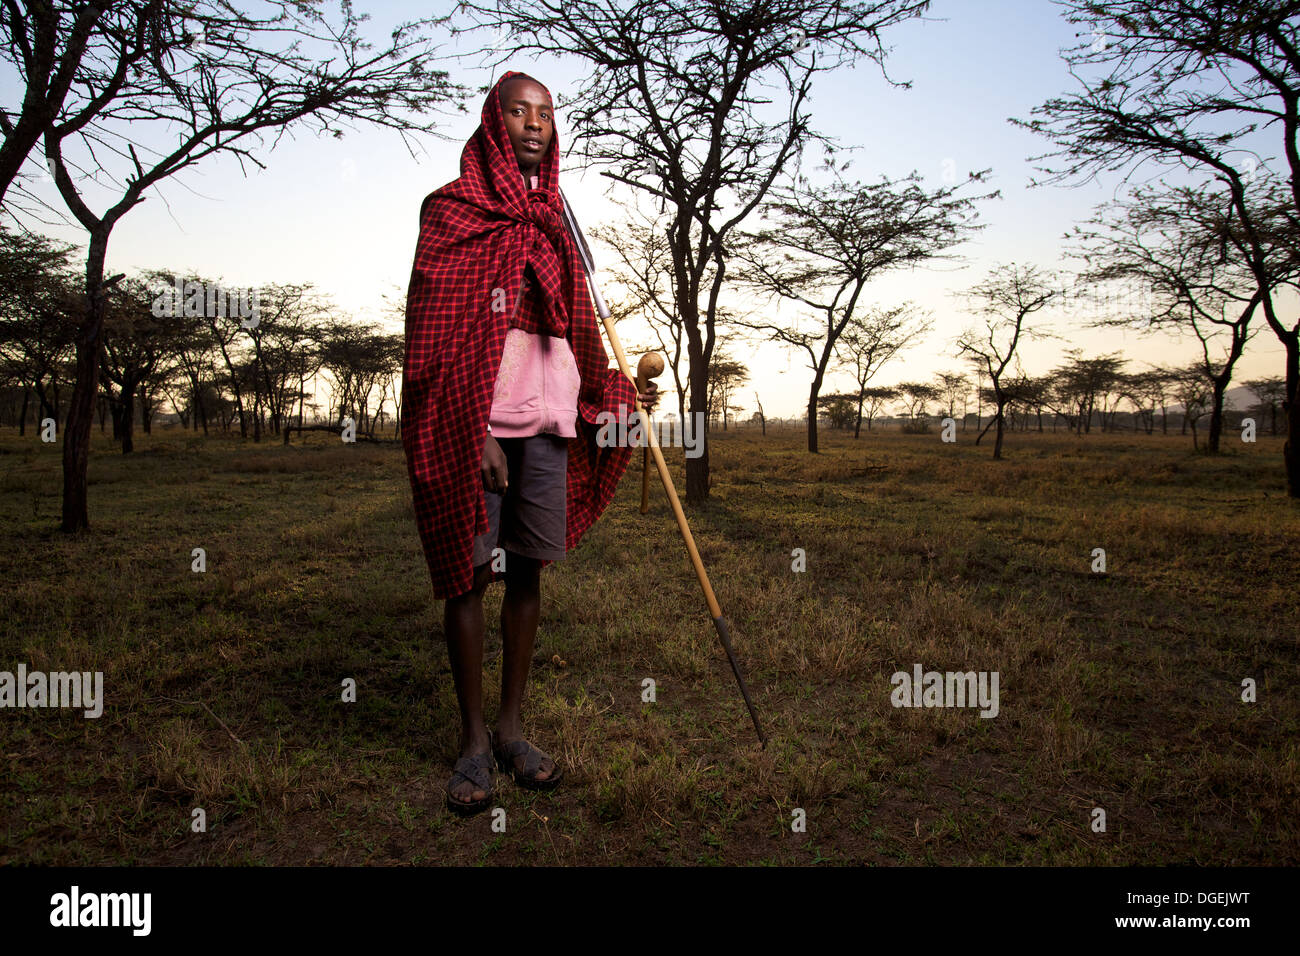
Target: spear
(715, 612)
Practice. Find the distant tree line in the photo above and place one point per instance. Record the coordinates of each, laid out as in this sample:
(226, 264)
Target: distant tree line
(1078, 396)
(218, 359)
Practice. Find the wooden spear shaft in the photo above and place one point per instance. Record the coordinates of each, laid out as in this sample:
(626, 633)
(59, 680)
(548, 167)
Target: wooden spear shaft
(715, 611)
(645, 479)
(650, 366)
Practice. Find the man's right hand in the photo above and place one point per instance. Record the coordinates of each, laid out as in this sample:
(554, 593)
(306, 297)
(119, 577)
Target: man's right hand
(493, 469)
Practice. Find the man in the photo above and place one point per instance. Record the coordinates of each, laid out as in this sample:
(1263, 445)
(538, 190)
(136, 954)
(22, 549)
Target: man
(501, 334)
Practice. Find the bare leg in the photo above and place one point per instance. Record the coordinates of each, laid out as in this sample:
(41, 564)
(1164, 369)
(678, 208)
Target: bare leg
(463, 624)
(520, 610)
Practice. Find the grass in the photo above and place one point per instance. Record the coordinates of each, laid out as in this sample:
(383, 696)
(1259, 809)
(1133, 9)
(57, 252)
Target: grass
(224, 688)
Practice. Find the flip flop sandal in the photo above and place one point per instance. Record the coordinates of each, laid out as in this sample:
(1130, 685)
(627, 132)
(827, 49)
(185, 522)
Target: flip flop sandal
(477, 771)
(527, 777)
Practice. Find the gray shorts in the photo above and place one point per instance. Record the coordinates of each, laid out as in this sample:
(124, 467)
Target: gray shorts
(529, 519)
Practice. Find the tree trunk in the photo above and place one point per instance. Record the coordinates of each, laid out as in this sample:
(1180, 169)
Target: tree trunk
(812, 425)
(997, 439)
(234, 387)
(288, 425)
(1291, 408)
(813, 392)
(697, 469)
(397, 414)
(46, 410)
(127, 405)
(257, 407)
(1216, 418)
(90, 346)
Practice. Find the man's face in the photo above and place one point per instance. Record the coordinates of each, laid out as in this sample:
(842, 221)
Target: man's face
(526, 108)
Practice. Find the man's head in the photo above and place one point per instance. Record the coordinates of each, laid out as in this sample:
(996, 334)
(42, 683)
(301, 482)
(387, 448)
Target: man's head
(529, 118)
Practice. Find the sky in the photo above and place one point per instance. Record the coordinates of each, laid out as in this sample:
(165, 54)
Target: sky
(342, 214)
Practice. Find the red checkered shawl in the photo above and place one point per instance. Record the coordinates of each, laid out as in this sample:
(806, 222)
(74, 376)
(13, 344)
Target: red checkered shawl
(476, 236)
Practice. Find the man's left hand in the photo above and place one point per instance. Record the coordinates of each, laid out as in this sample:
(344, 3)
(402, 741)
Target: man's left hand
(649, 397)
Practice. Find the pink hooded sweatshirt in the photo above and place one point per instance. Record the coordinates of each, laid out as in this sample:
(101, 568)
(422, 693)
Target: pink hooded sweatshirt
(537, 384)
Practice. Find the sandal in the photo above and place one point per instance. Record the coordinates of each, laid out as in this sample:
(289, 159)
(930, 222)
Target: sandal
(527, 777)
(477, 770)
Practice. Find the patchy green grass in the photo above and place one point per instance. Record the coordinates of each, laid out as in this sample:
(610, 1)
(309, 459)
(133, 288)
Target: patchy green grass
(1119, 692)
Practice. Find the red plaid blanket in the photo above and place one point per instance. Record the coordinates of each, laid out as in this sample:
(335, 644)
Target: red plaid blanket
(476, 236)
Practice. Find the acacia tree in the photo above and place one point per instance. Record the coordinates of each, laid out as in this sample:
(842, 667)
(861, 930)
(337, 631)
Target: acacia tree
(828, 241)
(39, 303)
(951, 386)
(1192, 390)
(52, 47)
(1145, 391)
(1189, 84)
(1269, 394)
(645, 271)
(359, 360)
(1174, 241)
(871, 400)
(1148, 390)
(209, 333)
(1144, 411)
(136, 343)
(1031, 394)
(838, 408)
(290, 324)
(1006, 297)
(195, 355)
(869, 341)
(915, 396)
(1087, 387)
(697, 106)
(725, 375)
(214, 78)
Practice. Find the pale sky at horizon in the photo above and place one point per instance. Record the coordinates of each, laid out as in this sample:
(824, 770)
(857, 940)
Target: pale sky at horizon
(342, 213)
